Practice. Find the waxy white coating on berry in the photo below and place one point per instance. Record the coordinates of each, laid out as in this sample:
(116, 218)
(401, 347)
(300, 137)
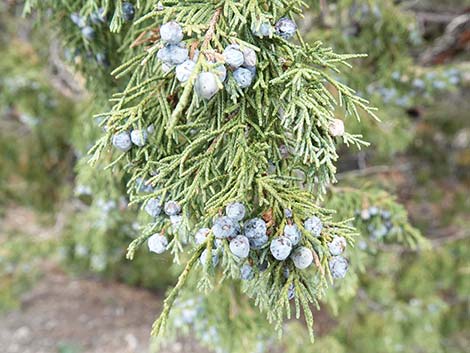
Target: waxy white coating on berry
(206, 85)
(142, 186)
(246, 272)
(128, 11)
(233, 56)
(77, 19)
(243, 77)
(171, 32)
(183, 71)
(313, 225)
(380, 232)
(218, 243)
(173, 54)
(249, 56)
(215, 258)
(336, 128)
(201, 236)
(338, 266)
(153, 207)
(224, 227)
(286, 28)
(292, 232)
(122, 141)
(157, 243)
(240, 246)
(337, 245)
(280, 248)
(102, 59)
(235, 210)
(257, 243)
(176, 221)
(255, 228)
(288, 213)
(302, 257)
(221, 72)
(262, 30)
(172, 208)
(88, 32)
(139, 137)
(98, 16)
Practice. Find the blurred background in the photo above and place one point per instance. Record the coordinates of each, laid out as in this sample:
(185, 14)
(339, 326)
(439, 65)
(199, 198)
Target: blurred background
(65, 285)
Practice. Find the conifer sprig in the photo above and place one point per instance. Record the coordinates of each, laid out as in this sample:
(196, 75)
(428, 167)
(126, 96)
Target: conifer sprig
(208, 153)
(269, 144)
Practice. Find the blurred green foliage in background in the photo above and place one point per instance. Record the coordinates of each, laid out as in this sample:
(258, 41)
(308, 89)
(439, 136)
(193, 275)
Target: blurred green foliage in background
(399, 300)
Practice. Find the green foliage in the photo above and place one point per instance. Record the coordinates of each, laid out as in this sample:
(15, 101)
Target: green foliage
(97, 234)
(203, 171)
(206, 154)
(225, 322)
(34, 138)
(390, 36)
(93, 57)
(399, 306)
(409, 310)
(19, 258)
(376, 215)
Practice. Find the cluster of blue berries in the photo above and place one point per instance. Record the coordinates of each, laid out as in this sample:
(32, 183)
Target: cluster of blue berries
(142, 186)
(191, 313)
(417, 87)
(241, 60)
(433, 79)
(88, 26)
(284, 28)
(187, 311)
(174, 52)
(247, 237)
(124, 140)
(158, 243)
(88, 30)
(175, 55)
(378, 222)
(98, 17)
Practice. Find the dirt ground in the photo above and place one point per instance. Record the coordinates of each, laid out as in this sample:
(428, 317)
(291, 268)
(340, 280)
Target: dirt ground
(75, 315)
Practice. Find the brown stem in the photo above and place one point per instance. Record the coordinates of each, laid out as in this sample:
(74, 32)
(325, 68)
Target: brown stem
(154, 36)
(210, 32)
